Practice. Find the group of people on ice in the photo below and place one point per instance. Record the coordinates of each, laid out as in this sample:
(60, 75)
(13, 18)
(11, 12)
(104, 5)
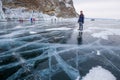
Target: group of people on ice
(31, 20)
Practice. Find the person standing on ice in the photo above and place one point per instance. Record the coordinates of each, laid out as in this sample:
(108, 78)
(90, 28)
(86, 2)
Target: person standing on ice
(31, 20)
(81, 20)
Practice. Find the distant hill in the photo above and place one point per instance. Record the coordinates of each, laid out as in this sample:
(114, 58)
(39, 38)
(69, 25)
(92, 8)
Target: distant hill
(58, 8)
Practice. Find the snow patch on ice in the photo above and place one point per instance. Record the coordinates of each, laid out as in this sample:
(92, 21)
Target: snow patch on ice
(59, 37)
(62, 28)
(104, 33)
(98, 53)
(18, 26)
(99, 73)
(32, 32)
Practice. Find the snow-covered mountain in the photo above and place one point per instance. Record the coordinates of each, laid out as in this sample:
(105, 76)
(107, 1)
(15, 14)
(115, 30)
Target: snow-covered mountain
(26, 8)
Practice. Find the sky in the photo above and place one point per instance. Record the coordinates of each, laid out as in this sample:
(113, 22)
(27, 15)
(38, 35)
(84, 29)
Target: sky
(109, 9)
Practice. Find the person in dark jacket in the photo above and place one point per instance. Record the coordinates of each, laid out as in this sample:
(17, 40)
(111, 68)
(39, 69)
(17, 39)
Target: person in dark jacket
(81, 20)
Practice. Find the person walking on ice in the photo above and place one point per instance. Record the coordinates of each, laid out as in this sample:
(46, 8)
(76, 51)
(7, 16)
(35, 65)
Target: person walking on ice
(81, 20)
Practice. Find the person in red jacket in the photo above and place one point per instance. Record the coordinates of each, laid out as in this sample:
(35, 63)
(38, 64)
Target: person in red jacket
(81, 20)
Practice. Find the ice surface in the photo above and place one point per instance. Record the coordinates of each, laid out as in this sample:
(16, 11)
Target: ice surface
(99, 73)
(41, 51)
(72, 72)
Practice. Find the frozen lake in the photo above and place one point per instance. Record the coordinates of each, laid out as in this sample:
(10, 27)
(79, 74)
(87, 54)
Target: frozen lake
(59, 51)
